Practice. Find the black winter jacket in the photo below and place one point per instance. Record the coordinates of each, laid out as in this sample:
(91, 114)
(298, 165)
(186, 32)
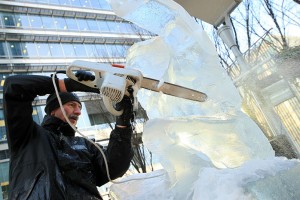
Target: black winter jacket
(48, 162)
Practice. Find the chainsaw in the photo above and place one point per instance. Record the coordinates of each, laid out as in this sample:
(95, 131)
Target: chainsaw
(114, 80)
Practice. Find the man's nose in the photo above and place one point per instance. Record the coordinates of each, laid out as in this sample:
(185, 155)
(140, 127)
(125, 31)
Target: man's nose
(77, 110)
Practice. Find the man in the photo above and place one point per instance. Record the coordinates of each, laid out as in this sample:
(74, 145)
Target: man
(47, 161)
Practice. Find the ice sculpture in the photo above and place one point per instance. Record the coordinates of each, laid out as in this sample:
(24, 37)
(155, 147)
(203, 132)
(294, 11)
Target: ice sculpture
(188, 137)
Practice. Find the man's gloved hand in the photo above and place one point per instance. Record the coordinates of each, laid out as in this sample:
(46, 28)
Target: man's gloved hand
(81, 75)
(127, 115)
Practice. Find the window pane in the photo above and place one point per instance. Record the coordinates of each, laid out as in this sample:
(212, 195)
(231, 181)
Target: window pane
(31, 49)
(91, 50)
(76, 3)
(65, 2)
(101, 50)
(35, 21)
(72, 24)
(93, 25)
(56, 50)
(83, 26)
(113, 27)
(60, 23)
(95, 4)
(8, 19)
(112, 51)
(3, 50)
(22, 21)
(85, 3)
(48, 22)
(80, 50)
(68, 50)
(16, 49)
(43, 49)
(105, 5)
(103, 26)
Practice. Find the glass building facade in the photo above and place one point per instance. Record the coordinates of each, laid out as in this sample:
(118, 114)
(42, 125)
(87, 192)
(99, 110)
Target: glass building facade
(42, 36)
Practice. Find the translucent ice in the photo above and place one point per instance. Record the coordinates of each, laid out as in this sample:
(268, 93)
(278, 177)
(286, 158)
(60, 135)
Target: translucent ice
(191, 138)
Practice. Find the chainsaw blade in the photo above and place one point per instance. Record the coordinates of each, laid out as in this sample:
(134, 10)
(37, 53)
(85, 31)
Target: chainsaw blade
(173, 90)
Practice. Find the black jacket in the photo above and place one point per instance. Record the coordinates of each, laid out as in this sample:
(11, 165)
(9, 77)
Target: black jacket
(48, 162)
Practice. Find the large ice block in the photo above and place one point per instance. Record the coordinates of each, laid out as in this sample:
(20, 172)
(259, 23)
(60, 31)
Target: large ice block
(191, 138)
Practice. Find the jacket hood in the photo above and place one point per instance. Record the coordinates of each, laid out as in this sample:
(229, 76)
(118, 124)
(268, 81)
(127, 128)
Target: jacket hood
(57, 126)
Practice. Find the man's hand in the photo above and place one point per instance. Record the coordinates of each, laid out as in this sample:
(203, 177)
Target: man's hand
(84, 76)
(81, 75)
(127, 115)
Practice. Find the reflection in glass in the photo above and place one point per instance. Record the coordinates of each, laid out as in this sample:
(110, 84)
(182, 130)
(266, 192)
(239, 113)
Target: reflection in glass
(43, 49)
(101, 50)
(93, 25)
(8, 19)
(35, 21)
(83, 26)
(72, 24)
(60, 23)
(80, 50)
(65, 2)
(56, 50)
(68, 50)
(103, 26)
(30, 47)
(91, 50)
(3, 49)
(95, 4)
(22, 21)
(48, 22)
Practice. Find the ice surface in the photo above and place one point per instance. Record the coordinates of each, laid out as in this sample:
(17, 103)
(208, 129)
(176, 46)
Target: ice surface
(192, 138)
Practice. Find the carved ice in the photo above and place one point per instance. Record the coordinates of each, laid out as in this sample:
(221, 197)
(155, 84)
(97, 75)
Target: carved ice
(210, 139)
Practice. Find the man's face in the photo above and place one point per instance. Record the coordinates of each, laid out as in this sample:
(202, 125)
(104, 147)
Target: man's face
(72, 109)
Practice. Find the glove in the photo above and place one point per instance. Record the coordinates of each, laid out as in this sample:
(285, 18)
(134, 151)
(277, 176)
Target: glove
(81, 75)
(127, 115)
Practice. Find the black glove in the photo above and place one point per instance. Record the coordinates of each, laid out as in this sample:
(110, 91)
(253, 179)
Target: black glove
(127, 115)
(81, 75)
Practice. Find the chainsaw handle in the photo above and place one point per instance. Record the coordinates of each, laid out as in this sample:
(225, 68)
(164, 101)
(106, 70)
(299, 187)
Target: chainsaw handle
(70, 74)
(109, 106)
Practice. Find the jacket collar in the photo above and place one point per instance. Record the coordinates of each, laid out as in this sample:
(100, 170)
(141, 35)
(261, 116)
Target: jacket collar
(57, 126)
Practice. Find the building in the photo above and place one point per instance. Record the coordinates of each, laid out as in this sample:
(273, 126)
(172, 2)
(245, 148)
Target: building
(271, 92)
(42, 36)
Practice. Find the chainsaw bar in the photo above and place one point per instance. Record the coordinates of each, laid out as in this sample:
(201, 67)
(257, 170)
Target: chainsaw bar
(173, 90)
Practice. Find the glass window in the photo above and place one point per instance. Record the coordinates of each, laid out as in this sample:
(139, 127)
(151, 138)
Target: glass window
(93, 25)
(2, 133)
(17, 49)
(72, 24)
(22, 21)
(54, 2)
(43, 49)
(112, 51)
(60, 23)
(56, 50)
(75, 3)
(83, 26)
(65, 2)
(91, 50)
(85, 3)
(101, 50)
(103, 26)
(113, 27)
(80, 50)
(1, 114)
(95, 4)
(35, 21)
(8, 19)
(121, 49)
(48, 22)
(105, 5)
(31, 49)
(68, 50)
(3, 50)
